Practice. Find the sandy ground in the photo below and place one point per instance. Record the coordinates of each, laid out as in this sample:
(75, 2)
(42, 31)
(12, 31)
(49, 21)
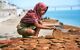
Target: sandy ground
(8, 28)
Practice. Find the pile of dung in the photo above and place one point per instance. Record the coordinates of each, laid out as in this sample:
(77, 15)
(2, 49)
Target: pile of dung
(60, 41)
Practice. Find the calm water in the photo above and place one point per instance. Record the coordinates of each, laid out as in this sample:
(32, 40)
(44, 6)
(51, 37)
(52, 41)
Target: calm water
(70, 17)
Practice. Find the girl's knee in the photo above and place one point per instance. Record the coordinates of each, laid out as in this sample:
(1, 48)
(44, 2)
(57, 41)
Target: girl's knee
(29, 31)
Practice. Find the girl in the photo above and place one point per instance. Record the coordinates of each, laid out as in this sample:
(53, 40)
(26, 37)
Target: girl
(30, 24)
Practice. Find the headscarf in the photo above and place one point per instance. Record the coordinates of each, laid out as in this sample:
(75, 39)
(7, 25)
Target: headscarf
(39, 7)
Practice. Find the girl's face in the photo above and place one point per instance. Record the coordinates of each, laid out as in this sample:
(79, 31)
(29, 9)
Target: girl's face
(43, 10)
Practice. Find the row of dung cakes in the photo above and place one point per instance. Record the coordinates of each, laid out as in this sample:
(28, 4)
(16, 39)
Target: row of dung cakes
(39, 43)
(55, 22)
(50, 20)
(71, 27)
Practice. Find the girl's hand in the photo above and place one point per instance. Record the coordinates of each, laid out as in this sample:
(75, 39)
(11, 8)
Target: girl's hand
(53, 28)
(40, 22)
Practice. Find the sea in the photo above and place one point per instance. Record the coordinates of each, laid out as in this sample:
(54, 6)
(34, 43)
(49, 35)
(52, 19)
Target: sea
(69, 17)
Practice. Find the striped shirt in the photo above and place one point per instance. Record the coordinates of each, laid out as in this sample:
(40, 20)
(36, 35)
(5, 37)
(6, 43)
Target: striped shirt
(30, 17)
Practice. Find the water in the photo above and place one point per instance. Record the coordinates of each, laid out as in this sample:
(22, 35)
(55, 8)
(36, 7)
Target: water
(69, 17)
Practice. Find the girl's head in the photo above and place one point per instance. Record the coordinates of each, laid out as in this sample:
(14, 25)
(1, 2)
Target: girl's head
(40, 8)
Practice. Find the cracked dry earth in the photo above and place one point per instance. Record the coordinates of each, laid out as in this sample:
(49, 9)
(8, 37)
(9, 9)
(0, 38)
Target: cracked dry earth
(58, 41)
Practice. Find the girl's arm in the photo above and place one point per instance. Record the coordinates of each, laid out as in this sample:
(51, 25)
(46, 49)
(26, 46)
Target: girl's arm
(38, 25)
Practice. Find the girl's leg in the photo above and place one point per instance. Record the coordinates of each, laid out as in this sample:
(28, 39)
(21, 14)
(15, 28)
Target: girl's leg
(25, 36)
(25, 32)
(37, 31)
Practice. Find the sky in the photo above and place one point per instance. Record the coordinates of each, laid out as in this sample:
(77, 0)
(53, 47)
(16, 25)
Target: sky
(51, 3)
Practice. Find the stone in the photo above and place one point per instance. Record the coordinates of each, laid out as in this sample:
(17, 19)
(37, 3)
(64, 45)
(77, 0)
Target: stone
(49, 37)
(43, 46)
(58, 34)
(30, 40)
(57, 41)
(45, 41)
(70, 46)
